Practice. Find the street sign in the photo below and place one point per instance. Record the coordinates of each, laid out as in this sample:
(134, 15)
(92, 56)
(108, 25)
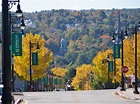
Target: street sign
(124, 69)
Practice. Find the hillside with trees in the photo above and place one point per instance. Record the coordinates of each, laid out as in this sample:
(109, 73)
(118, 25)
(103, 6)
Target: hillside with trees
(86, 31)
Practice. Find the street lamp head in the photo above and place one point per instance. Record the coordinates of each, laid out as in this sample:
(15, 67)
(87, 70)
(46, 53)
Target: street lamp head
(22, 26)
(103, 62)
(139, 26)
(108, 57)
(38, 48)
(113, 39)
(18, 11)
(125, 34)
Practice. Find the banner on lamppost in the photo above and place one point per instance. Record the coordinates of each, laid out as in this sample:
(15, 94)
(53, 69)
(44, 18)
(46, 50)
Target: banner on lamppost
(60, 81)
(116, 50)
(110, 66)
(17, 44)
(56, 81)
(51, 80)
(46, 80)
(35, 58)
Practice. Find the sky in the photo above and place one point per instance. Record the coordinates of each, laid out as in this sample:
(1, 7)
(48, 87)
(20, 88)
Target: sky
(38, 5)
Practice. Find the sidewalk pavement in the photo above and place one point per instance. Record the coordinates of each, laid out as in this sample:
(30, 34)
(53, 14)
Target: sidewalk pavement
(128, 94)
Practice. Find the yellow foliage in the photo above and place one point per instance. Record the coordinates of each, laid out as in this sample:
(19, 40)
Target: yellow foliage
(129, 54)
(22, 63)
(58, 71)
(100, 71)
(82, 76)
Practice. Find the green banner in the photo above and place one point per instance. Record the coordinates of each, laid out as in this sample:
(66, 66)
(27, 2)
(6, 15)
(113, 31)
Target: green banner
(92, 79)
(56, 81)
(17, 44)
(51, 80)
(116, 50)
(35, 58)
(46, 80)
(60, 81)
(110, 66)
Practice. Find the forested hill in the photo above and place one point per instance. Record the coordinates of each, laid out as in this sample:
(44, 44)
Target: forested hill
(86, 31)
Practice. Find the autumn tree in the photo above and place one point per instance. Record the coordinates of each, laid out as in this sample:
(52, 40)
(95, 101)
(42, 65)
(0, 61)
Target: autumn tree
(100, 69)
(82, 77)
(22, 63)
(129, 54)
(59, 72)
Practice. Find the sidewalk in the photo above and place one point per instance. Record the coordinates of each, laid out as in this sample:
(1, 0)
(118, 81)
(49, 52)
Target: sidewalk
(128, 94)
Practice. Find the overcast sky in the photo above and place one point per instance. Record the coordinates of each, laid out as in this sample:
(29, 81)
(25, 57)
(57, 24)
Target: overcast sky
(38, 5)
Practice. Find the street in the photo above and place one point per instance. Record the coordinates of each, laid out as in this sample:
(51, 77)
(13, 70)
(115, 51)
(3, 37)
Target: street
(75, 97)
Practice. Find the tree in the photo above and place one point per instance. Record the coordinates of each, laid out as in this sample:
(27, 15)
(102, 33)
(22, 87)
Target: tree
(82, 77)
(22, 63)
(59, 72)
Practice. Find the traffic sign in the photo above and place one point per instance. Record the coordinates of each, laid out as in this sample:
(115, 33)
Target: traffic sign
(124, 69)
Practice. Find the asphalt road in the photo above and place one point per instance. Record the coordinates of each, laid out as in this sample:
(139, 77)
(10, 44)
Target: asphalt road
(75, 97)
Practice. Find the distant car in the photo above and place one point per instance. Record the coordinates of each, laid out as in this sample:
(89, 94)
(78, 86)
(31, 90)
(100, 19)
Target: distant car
(57, 88)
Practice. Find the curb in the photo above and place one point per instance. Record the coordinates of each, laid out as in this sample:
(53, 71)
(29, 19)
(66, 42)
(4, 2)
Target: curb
(118, 93)
(124, 96)
(19, 101)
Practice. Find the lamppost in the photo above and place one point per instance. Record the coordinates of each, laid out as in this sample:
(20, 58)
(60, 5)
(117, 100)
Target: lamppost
(108, 82)
(6, 42)
(15, 25)
(116, 39)
(91, 78)
(135, 29)
(31, 57)
(110, 55)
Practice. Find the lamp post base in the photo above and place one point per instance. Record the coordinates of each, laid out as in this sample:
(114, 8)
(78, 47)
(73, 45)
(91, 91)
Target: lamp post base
(123, 89)
(136, 92)
(7, 97)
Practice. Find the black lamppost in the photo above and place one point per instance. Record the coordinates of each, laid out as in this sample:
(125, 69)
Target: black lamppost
(108, 77)
(6, 57)
(110, 55)
(30, 49)
(122, 37)
(15, 26)
(91, 77)
(135, 29)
